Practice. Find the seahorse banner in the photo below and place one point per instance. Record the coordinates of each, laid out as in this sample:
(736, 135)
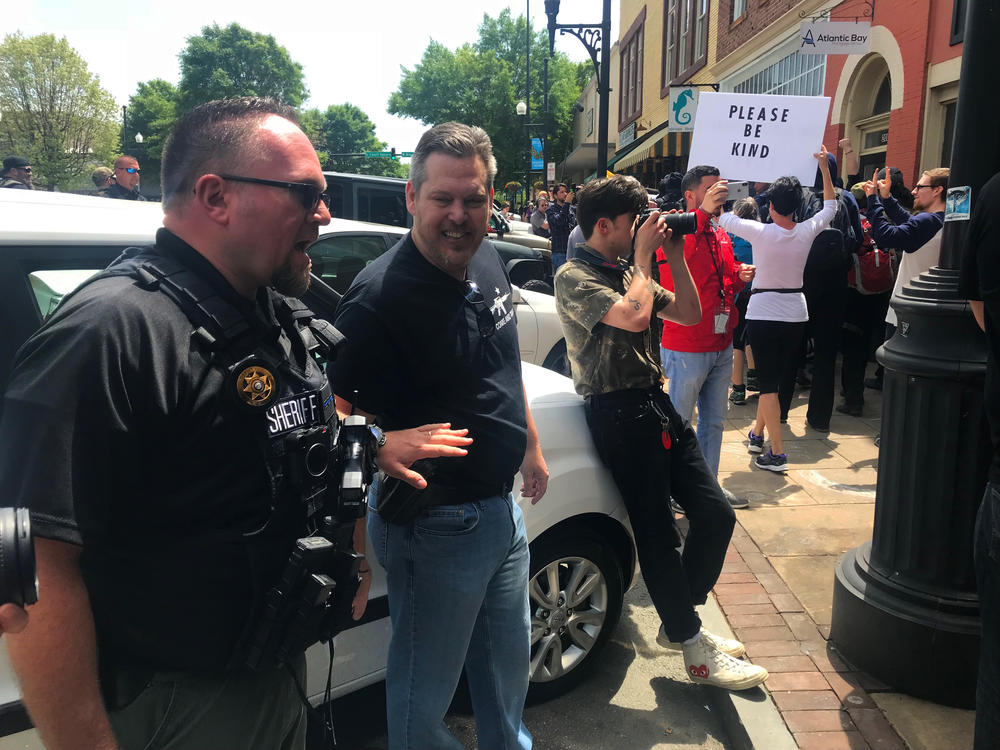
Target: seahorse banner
(683, 105)
(759, 137)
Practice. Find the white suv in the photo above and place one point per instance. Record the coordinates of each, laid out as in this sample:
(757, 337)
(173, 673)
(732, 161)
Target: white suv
(582, 553)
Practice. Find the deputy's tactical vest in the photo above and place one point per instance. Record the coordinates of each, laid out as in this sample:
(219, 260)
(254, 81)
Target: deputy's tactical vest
(293, 415)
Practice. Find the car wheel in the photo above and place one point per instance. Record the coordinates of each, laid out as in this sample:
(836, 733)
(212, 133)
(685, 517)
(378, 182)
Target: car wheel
(557, 360)
(575, 598)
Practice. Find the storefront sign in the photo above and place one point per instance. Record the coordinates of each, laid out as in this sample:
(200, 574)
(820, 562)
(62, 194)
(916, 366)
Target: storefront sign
(759, 137)
(626, 136)
(834, 38)
(683, 105)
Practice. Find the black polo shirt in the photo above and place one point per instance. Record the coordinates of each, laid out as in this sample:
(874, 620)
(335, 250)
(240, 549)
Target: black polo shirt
(117, 434)
(415, 355)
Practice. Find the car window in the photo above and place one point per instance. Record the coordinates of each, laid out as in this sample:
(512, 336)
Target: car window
(338, 258)
(336, 192)
(381, 205)
(50, 286)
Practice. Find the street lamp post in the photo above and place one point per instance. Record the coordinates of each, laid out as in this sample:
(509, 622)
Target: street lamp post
(905, 608)
(595, 37)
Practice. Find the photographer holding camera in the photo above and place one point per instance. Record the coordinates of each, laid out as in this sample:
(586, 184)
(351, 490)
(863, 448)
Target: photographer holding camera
(197, 500)
(605, 305)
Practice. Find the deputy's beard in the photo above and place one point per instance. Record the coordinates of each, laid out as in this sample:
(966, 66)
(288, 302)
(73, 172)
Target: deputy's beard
(289, 281)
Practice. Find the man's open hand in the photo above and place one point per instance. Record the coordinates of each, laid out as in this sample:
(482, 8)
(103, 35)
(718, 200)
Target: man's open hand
(403, 447)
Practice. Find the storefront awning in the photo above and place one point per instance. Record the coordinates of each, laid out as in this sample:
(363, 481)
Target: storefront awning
(582, 159)
(637, 150)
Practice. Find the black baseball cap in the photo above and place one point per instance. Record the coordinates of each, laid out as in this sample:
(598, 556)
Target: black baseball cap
(15, 162)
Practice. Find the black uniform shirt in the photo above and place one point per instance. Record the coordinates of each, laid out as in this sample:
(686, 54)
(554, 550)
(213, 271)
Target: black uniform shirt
(117, 435)
(980, 280)
(415, 355)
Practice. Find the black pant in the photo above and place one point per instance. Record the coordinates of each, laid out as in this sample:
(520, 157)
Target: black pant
(627, 432)
(826, 301)
(864, 315)
(987, 559)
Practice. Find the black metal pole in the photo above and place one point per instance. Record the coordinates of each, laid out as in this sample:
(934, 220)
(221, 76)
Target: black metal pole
(905, 607)
(605, 91)
(545, 125)
(124, 123)
(527, 90)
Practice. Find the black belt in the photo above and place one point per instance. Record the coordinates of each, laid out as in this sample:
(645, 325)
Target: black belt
(779, 291)
(622, 397)
(436, 494)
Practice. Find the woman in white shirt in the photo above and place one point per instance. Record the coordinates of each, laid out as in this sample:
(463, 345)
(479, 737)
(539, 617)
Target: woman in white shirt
(777, 313)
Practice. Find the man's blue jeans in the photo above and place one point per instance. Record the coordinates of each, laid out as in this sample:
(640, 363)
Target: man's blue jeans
(701, 378)
(558, 258)
(458, 594)
(987, 557)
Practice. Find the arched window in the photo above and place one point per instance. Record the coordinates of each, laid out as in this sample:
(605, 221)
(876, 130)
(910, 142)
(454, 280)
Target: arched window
(883, 99)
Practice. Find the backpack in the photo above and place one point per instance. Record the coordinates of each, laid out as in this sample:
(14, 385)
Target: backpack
(831, 249)
(871, 270)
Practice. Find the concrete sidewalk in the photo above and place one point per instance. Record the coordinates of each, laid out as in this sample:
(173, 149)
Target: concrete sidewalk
(777, 585)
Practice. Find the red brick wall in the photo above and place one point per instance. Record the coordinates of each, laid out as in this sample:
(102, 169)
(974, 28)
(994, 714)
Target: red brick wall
(921, 29)
(758, 16)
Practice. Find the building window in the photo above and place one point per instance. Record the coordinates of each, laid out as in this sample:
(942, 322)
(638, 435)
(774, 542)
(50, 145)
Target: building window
(949, 134)
(685, 41)
(590, 121)
(630, 84)
(739, 8)
(958, 21)
(794, 74)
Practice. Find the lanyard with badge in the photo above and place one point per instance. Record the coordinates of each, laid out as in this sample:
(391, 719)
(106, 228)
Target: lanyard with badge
(723, 309)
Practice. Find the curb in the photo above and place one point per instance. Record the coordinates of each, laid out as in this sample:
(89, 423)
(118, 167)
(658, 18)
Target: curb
(750, 717)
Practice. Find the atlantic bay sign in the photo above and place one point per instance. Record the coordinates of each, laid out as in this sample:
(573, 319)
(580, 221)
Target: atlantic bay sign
(834, 38)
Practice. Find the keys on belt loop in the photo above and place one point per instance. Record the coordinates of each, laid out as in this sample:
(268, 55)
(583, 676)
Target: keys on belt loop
(664, 423)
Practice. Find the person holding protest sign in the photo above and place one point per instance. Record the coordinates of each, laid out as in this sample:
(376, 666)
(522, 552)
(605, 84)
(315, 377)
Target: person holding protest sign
(777, 312)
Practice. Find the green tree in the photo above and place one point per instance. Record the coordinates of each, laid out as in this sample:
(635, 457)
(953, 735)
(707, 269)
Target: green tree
(152, 111)
(346, 129)
(55, 112)
(481, 83)
(233, 61)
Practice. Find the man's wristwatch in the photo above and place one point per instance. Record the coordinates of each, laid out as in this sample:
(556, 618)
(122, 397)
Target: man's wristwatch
(377, 433)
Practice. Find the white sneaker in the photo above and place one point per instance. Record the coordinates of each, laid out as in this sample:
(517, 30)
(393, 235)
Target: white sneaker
(709, 666)
(725, 645)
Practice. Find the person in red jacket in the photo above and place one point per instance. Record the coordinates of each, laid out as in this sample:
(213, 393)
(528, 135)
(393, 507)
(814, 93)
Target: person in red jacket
(698, 360)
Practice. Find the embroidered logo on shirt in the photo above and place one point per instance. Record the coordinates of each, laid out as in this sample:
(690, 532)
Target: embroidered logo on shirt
(500, 312)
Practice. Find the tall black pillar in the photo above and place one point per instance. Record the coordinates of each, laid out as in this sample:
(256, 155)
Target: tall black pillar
(904, 606)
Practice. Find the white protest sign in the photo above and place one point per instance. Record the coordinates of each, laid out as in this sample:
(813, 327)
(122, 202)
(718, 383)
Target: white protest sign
(759, 137)
(834, 37)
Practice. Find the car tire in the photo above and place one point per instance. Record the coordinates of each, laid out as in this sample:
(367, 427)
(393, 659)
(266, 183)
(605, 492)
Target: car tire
(570, 626)
(557, 360)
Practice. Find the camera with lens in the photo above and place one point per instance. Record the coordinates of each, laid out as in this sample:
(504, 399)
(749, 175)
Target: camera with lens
(680, 223)
(18, 583)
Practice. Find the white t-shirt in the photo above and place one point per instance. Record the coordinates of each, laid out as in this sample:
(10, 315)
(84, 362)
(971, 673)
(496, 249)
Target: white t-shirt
(780, 255)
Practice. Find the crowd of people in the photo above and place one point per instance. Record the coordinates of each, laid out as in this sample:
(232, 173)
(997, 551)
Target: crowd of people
(782, 273)
(120, 181)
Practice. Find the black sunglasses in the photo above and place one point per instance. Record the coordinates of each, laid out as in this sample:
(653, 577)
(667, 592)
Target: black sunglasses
(309, 195)
(484, 316)
(131, 170)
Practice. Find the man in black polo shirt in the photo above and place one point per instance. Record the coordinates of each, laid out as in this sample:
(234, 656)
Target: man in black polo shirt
(157, 455)
(979, 282)
(605, 305)
(431, 333)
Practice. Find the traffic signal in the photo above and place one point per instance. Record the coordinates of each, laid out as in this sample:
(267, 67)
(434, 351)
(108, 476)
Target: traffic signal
(393, 152)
